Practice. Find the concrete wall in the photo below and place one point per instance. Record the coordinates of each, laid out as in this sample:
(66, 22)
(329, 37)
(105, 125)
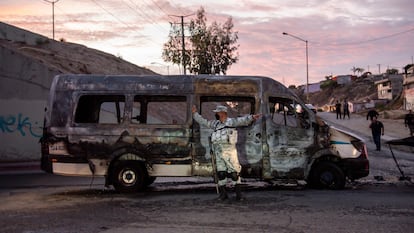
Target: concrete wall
(9, 32)
(27, 67)
(24, 88)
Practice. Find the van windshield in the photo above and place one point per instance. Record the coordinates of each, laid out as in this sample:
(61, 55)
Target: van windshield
(236, 106)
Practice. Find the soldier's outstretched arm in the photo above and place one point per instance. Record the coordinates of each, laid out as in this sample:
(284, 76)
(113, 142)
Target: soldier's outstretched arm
(200, 119)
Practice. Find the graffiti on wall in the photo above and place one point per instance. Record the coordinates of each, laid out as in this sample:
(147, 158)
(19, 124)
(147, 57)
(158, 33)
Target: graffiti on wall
(20, 124)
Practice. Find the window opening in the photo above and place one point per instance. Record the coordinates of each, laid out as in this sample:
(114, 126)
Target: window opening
(288, 112)
(236, 106)
(100, 109)
(165, 110)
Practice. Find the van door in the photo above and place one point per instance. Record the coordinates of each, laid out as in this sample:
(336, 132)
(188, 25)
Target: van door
(161, 128)
(97, 124)
(289, 135)
(248, 138)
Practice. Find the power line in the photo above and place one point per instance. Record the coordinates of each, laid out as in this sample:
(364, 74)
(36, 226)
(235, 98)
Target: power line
(110, 13)
(144, 15)
(156, 4)
(370, 40)
(122, 22)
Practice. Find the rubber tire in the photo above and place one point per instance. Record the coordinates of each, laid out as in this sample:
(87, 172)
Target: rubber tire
(128, 177)
(327, 175)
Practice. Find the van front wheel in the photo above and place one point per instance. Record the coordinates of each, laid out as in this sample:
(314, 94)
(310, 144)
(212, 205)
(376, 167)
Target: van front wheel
(128, 177)
(326, 175)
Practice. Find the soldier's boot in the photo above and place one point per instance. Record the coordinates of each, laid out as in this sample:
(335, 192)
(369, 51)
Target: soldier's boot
(239, 196)
(223, 193)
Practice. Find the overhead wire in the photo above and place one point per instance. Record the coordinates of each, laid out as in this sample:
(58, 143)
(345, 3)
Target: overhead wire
(124, 23)
(362, 42)
(159, 7)
(141, 13)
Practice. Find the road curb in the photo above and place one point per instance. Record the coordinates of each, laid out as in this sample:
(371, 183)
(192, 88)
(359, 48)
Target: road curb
(18, 167)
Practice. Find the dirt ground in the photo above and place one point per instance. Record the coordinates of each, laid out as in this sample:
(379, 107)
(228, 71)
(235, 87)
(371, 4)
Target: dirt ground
(192, 207)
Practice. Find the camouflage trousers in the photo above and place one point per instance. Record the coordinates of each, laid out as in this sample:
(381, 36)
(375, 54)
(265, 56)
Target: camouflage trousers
(227, 161)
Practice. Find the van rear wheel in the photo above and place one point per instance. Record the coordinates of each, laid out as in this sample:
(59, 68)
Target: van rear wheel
(327, 175)
(128, 176)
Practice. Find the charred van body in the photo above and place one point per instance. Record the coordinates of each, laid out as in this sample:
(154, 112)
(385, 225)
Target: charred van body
(132, 129)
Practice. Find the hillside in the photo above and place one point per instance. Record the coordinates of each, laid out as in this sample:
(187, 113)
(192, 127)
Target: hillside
(360, 91)
(65, 57)
(357, 91)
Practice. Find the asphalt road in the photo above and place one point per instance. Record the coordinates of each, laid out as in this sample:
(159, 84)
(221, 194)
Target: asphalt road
(46, 206)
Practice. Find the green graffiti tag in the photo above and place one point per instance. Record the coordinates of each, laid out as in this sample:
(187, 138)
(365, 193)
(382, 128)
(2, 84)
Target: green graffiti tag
(19, 123)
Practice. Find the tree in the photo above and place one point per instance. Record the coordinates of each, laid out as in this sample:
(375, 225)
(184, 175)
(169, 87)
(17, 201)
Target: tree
(210, 50)
(391, 71)
(357, 70)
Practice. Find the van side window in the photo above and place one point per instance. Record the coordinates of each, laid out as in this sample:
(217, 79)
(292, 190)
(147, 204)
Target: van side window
(164, 110)
(102, 109)
(287, 112)
(283, 111)
(237, 106)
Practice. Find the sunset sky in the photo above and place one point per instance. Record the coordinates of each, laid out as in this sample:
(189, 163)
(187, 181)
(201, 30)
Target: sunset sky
(369, 34)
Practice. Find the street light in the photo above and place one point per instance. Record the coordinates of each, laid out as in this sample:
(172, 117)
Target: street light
(53, 14)
(307, 67)
(157, 63)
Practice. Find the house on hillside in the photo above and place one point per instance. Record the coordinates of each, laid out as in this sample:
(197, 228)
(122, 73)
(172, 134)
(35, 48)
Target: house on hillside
(365, 105)
(344, 79)
(313, 87)
(408, 86)
(390, 87)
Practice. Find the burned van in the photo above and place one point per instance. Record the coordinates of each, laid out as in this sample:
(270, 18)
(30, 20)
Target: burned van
(133, 129)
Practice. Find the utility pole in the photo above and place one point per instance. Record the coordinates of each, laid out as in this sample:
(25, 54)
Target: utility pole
(53, 14)
(379, 68)
(182, 41)
(183, 44)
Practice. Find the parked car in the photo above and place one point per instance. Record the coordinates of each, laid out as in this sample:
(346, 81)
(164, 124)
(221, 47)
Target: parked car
(311, 107)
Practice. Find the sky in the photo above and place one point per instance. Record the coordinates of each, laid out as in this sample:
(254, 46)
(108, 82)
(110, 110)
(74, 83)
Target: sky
(374, 35)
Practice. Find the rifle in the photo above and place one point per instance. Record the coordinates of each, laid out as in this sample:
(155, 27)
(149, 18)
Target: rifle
(213, 164)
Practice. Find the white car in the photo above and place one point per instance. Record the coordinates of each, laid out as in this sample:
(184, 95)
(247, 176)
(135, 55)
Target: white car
(311, 107)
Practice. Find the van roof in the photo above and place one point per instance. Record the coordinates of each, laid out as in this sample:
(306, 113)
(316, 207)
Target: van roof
(171, 83)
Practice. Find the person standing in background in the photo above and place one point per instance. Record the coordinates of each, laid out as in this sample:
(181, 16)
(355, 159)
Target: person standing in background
(338, 109)
(372, 113)
(346, 109)
(409, 121)
(377, 129)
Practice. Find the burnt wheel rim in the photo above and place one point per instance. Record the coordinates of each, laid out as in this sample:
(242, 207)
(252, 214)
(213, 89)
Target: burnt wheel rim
(128, 177)
(327, 178)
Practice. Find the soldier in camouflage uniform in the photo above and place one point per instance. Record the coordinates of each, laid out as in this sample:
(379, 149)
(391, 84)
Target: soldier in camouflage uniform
(223, 140)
